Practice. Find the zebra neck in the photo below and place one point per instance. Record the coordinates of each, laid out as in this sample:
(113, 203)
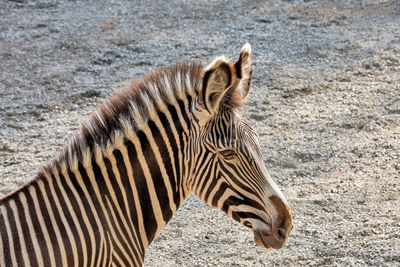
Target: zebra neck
(139, 174)
(121, 193)
(154, 156)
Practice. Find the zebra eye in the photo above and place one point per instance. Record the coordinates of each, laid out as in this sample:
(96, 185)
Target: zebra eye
(228, 154)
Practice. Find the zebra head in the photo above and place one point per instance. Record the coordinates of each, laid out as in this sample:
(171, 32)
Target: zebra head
(227, 169)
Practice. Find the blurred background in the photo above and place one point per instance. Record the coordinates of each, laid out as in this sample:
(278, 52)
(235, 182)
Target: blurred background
(325, 102)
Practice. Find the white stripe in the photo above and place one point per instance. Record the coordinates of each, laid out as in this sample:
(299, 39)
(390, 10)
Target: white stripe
(31, 230)
(24, 250)
(10, 237)
(114, 200)
(53, 222)
(248, 194)
(89, 225)
(164, 174)
(92, 177)
(102, 246)
(115, 170)
(95, 214)
(149, 181)
(43, 226)
(74, 218)
(110, 206)
(178, 144)
(135, 196)
(214, 169)
(70, 235)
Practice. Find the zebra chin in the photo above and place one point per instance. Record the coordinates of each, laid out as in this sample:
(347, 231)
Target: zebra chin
(267, 240)
(272, 231)
(268, 237)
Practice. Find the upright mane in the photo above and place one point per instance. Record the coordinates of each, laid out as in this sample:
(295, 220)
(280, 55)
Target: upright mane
(130, 108)
(141, 98)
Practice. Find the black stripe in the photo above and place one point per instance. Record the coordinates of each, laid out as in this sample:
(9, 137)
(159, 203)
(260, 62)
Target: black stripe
(99, 258)
(167, 162)
(222, 188)
(128, 190)
(249, 201)
(180, 131)
(205, 161)
(25, 231)
(87, 210)
(5, 240)
(176, 121)
(100, 179)
(150, 224)
(14, 235)
(78, 213)
(57, 216)
(184, 112)
(203, 92)
(92, 195)
(155, 172)
(174, 147)
(121, 203)
(237, 215)
(232, 176)
(250, 168)
(215, 177)
(38, 230)
(114, 185)
(75, 242)
(48, 223)
(115, 261)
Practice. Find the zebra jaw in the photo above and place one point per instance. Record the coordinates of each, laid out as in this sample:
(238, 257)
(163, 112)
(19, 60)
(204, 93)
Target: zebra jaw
(259, 240)
(267, 237)
(267, 240)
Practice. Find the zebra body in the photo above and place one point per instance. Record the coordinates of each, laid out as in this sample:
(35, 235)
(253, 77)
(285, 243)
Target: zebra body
(104, 199)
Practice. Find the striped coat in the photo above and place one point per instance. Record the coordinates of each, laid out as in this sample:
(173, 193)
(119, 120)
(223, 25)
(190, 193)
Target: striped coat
(174, 132)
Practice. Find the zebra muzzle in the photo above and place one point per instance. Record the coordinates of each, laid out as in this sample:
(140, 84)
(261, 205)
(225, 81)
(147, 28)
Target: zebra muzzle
(268, 239)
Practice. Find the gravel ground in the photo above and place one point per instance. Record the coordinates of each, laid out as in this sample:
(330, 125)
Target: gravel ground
(325, 101)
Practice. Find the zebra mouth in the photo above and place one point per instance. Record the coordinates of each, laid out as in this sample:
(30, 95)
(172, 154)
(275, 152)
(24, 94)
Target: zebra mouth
(267, 241)
(259, 240)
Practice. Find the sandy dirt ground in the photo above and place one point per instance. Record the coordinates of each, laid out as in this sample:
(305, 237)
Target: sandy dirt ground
(325, 102)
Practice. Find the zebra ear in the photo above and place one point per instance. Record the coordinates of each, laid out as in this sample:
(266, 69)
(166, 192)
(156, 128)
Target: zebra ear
(244, 70)
(218, 77)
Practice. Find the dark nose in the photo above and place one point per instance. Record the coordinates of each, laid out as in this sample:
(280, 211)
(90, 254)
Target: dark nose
(282, 222)
(281, 225)
(280, 233)
(268, 239)
(275, 237)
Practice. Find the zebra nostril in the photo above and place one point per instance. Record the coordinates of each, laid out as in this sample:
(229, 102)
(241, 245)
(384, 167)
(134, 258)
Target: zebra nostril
(281, 234)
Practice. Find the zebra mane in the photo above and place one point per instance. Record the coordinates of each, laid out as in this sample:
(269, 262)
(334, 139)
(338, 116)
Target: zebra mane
(141, 100)
(129, 109)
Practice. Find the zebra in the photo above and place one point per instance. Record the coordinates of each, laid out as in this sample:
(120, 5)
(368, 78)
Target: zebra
(109, 193)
